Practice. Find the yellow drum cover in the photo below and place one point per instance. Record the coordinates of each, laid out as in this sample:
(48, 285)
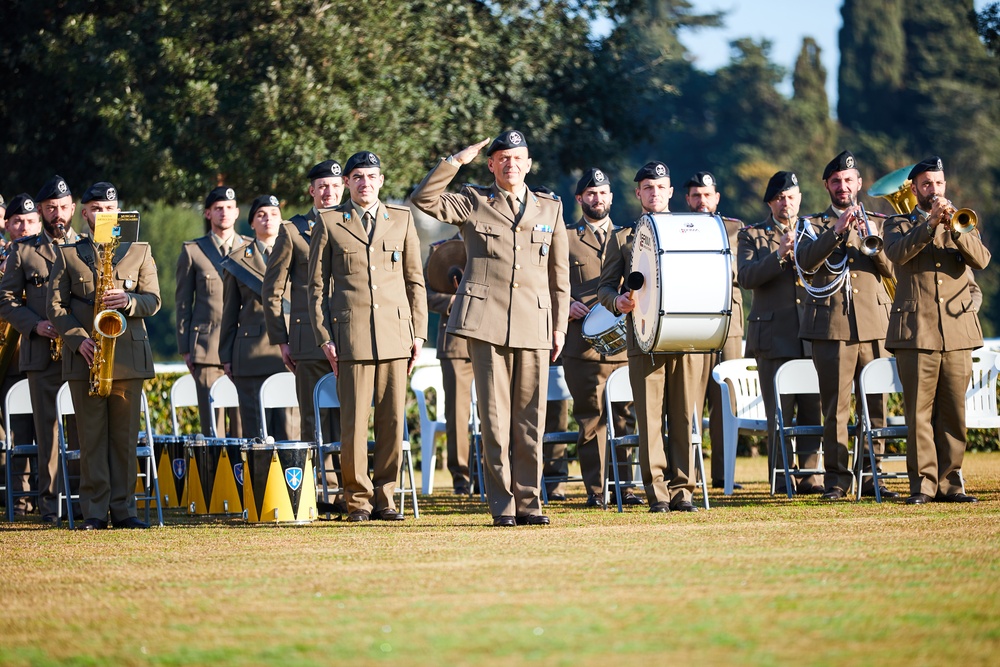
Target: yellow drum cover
(279, 482)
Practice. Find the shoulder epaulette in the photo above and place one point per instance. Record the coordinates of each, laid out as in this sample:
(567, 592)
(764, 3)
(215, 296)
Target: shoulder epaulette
(397, 207)
(544, 192)
(874, 214)
(732, 220)
(474, 186)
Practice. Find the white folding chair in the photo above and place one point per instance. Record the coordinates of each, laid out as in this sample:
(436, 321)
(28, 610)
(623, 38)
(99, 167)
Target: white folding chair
(277, 393)
(183, 394)
(981, 397)
(739, 382)
(221, 395)
(325, 397)
(558, 391)
(18, 402)
(476, 457)
(618, 389)
(878, 377)
(429, 377)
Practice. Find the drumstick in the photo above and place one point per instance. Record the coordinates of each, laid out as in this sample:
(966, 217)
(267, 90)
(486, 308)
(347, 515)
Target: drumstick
(634, 281)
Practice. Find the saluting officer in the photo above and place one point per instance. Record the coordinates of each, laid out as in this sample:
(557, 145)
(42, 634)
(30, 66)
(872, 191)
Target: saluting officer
(24, 298)
(512, 306)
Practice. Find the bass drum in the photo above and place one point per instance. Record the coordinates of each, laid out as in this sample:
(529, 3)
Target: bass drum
(685, 302)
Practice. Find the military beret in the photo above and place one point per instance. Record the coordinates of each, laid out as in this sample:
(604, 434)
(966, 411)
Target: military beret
(55, 188)
(506, 141)
(100, 191)
(652, 170)
(590, 179)
(702, 179)
(260, 202)
(325, 169)
(843, 161)
(364, 159)
(932, 163)
(781, 181)
(20, 205)
(221, 193)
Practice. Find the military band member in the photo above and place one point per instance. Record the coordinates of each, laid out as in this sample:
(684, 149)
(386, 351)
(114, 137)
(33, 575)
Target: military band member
(846, 315)
(370, 311)
(108, 427)
(456, 373)
(24, 298)
(21, 219)
(702, 196)
(512, 306)
(247, 356)
(586, 369)
(199, 302)
(932, 330)
(287, 278)
(765, 266)
(663, 385)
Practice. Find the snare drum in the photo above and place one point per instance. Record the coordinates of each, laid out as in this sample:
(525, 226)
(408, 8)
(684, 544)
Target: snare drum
(685, 302)
(604, 331)
(215, 476)
(170, 454)
(279, 482)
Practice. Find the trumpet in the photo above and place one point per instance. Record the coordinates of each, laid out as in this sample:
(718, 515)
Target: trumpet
(961, 221)
(871, 242)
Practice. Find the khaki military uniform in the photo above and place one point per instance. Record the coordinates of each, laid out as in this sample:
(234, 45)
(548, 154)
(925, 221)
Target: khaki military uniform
(513, 295)
(456, 372)
(244, 344)
(108, 427)
(773, 334)
(663, 385)
(198, 300)
(932, 329)
(368, 298)
(587, 371)
(847, 330)
(24, 299)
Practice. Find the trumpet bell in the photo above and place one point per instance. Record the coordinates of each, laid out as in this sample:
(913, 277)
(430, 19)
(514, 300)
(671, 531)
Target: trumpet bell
(964, 220)
(895, 187)
(872, 245)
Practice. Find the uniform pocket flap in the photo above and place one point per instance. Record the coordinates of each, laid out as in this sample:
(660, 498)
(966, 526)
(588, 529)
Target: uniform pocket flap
(477, 290)
(907, 306)
(404, 313)
(342, 316)
(389, 246)
(138, 333)
(762, 317)
(538, 236)
(487, 229)
(544, 301)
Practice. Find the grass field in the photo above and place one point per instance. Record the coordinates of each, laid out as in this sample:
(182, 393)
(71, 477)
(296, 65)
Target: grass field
(756, 580)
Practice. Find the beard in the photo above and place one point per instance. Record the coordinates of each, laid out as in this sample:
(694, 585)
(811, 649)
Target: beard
(594, 212)
(51, 227)
(925, 203)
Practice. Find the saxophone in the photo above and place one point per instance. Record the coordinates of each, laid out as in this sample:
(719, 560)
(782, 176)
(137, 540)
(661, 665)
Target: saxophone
(9, 336)
(108, 324)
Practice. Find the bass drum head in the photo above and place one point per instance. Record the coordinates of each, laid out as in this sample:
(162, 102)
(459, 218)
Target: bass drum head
(645, 260)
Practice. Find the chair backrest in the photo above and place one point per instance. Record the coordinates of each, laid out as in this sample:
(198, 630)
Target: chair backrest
(743, 385)
(183, 394)
(18, 402)
(424, 378)
(324, 398)
(618, 388)
(797, 376)
(278, 391)
(222, 394)
(981, 396)
(558, 389)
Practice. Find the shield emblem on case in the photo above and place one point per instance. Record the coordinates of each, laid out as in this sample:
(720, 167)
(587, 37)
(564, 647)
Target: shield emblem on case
(293, 477)
(178, 466)
(238, 473)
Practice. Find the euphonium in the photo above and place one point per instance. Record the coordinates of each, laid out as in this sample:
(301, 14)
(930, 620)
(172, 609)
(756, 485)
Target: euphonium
(108, 325)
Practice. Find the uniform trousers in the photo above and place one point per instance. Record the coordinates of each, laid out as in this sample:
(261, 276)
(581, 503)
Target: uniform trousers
(934, 385)
(586, 380)
(23, 434)
(108, 428)
(712, 393)
(511, 387)
(838, 366)
(807, 409)
(357, 383)
(204, 376)
(44, 385)
(665, 385)
(282, 423)
(308, 373)
(457, 376)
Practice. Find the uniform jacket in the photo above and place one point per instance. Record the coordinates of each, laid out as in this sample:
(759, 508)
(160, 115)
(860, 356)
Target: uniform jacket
(863, 317)
(377, 304)
(516, 283)
(24, 295)
(585, 259)
(448, 346)
(199, 298)
(242, 337)
(287, 277)
(773, 324)
(617, 264)
(933, 308)
(733, 227)
(71, 309)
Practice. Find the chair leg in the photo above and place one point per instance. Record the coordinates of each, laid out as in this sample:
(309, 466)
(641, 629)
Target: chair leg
(477, 442)
(874, 473)
(413, 486)
(700, 462)
(784, 461)
(614, 468)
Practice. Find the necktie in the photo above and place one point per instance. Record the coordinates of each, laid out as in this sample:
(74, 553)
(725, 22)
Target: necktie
(368, 221)
(224, 249)
(514, 206)
(599, 233)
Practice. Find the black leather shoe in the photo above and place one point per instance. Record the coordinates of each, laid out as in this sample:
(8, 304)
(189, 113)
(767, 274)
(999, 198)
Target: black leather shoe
(918, 499)
(461, 489)
(721, 484)
(51, 519)
(504, 521)
(336, 507)
(357, 516)
(557, 497)
(659, 508)
(630, 498)
(836, 493)
(533, 520)
(684, 506)
(93, 524)
(883, 492)
(957, 498)
(595, 501)
(808, 490)
(387, 515)
(131, 523)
